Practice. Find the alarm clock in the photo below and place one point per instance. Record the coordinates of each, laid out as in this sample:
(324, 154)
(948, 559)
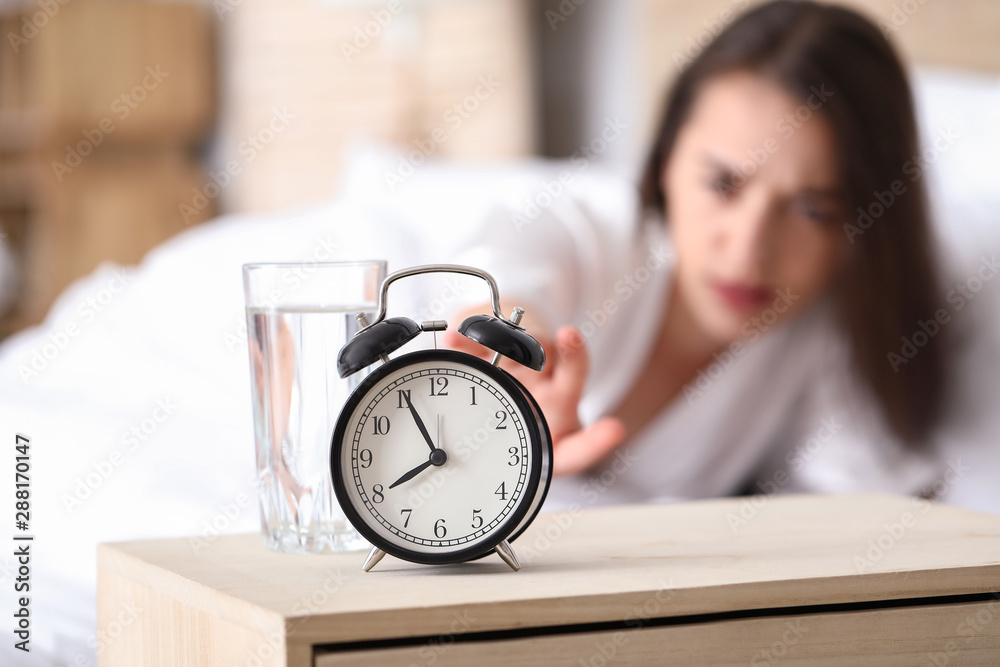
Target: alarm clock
(439, 456)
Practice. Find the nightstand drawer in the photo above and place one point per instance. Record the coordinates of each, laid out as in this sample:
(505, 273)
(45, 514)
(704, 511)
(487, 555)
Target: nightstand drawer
(954, 633)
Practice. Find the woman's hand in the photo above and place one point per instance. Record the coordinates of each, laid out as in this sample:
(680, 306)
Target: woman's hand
(557, 388)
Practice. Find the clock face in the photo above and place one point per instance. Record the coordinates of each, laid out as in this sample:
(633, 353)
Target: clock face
(438, 456)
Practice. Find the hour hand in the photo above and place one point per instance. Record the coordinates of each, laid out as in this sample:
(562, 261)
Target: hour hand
(411, 474)
(438, 457)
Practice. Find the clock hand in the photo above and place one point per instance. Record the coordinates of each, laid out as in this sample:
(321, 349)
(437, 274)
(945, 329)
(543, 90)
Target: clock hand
(411, 474)
(438, 457)
(420, 423)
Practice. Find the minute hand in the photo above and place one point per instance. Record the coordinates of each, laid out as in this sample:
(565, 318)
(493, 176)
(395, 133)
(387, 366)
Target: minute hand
(420, 423)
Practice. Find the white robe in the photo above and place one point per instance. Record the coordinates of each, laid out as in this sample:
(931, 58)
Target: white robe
(778, 412)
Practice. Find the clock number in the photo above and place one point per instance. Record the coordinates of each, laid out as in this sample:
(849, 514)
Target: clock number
(439, 529)
(502, 416)
(501, 491)
(400, 394)
(515, 457)
(473, 388)
(442, 386)
(407, 512)
(477, 521)
(380, 425)
(366, 458)
(377, 493)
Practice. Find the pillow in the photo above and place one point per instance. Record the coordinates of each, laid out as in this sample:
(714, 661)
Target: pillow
(957, 113)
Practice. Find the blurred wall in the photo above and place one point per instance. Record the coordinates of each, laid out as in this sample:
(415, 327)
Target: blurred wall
(103, 106)
(607, 59)
(568, 73)
(304, 79)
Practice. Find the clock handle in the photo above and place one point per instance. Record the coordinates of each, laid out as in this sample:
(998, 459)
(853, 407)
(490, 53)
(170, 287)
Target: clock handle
(504, 336)
(439, 268)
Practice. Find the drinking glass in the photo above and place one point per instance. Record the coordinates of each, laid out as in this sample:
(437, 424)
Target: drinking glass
(298, 318)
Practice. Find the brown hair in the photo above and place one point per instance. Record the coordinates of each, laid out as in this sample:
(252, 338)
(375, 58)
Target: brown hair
(890, 283)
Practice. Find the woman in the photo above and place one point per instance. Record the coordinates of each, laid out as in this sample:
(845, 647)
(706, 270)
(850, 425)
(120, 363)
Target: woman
(767, 351)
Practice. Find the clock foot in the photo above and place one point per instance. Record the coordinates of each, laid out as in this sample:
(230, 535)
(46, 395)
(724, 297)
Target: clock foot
(507, 554)
(374, 556)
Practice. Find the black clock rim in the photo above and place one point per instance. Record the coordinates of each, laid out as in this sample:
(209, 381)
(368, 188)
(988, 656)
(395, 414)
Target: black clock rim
(522, 400)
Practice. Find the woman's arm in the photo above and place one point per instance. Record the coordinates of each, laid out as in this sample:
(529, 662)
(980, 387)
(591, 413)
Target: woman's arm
(558, 388)
(556, 265)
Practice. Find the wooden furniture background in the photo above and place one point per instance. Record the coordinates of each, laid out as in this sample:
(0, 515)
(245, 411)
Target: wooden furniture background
(355, 71)
(797, 579)
(128, 163)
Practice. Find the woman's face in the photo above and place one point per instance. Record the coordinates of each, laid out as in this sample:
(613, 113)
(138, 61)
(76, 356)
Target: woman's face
(754, 206)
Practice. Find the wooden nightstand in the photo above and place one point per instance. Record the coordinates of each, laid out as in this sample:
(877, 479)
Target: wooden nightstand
(792, 579)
